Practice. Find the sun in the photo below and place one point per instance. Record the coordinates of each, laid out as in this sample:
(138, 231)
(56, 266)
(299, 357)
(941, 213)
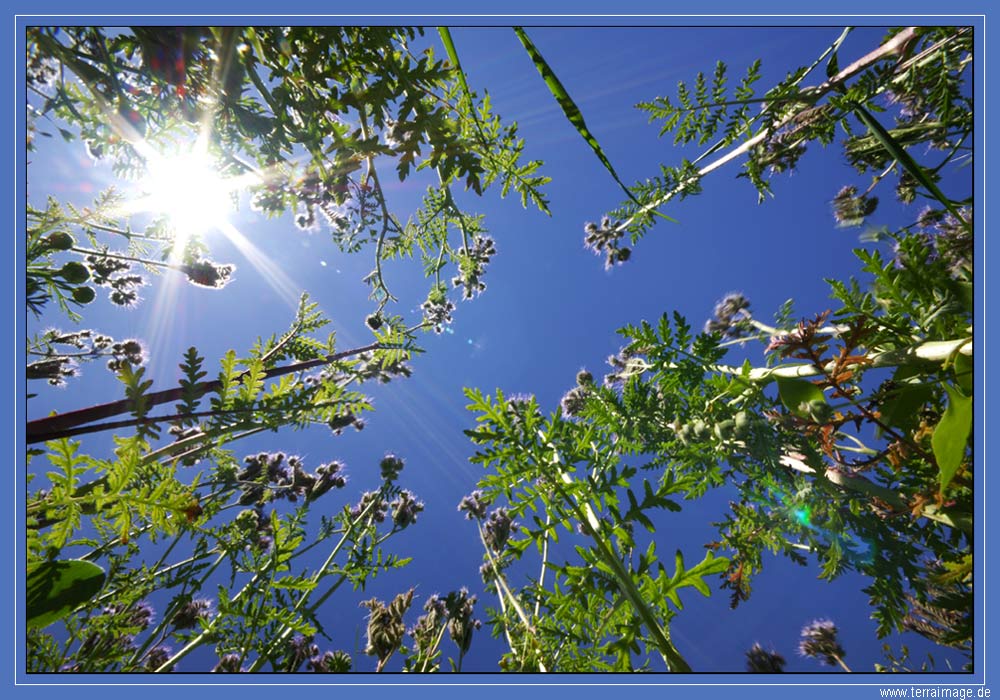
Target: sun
(190, 190)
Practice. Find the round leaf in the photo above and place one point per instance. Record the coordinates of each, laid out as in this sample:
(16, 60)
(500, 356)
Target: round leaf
(56, 588)
(796, 392)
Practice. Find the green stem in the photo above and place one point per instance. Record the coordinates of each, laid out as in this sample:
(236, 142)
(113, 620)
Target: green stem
(674, 661)
(206, 633)
(896, 150)
(127, 258)
(930, 351)
(864, 487)
(159, 632)
(386, 221)
(40, 429)
(336, 584)
(545, 560)
(721, 143)
(82, 222)
(812, 94)
(500, 599)
(504, 590)
(314, 581)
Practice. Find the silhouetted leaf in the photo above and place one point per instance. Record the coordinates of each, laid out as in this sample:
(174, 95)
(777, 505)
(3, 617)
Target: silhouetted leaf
(57, 588)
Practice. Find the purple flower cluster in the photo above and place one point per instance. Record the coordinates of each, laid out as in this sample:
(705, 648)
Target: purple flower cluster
(205, 273)
(850, 209)
(405, 509)
(472, 264)
(191, 613)
(604, 239)
(390, 466)
(229, 663)
(730, 315)
(819, 641)
(474, 505)
(117, 274)
(437, 313)
(760, 660)
(376, 512)
(330, 662)
(460, 607)
(267, 476)
(498, 529)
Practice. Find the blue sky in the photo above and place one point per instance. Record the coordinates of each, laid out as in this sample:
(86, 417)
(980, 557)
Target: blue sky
(550, 309)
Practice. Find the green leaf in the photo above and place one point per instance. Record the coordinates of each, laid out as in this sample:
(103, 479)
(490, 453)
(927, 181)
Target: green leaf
(951, 435)
(572, 112)
(295, 583)
(954, 572)
(963, 373)
(57, 588)
(796, 392)
(902, 408)
(896, 150)
(449, 46)
(693, 577)
(832, 66)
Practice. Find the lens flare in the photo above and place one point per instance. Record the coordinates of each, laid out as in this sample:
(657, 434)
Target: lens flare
(188, 189)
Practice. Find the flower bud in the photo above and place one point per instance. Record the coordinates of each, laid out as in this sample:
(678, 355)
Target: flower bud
(741, 424)
(74, 272)
(724, 429)
(60, 240)
(83, 295)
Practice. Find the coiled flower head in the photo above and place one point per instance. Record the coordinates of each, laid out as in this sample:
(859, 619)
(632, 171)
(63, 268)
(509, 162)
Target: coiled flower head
(760, 660)
(730, 315)
(192, 612)
(498, 529)
(474, 505)
(819, 641)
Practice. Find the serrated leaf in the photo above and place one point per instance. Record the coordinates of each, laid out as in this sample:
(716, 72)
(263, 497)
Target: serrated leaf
(295, 583)
(954, 572)
(832, 66)
(57, 588)
(693, 577)
(952, 434)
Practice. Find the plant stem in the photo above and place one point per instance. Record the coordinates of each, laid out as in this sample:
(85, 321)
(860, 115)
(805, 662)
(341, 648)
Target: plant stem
(503, 588)
(314, 580)
(545, 560)
(386, 221)
(672, 658)
(152, 420)
(43, 429)
(889, 48)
